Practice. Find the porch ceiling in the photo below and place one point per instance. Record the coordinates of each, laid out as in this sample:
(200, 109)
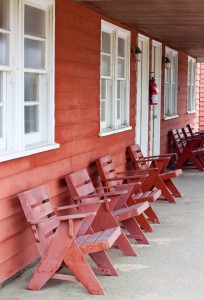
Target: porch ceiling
(177, 22)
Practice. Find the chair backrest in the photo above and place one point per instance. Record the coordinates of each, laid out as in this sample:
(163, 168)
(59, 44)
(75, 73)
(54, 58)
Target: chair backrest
(187, 133)
(136, 155)
(36, 205)
(176, 138)
(80, 184)
(106, 170)
(191, 129)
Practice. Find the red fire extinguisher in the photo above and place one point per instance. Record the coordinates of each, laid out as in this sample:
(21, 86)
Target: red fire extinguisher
(153, 92)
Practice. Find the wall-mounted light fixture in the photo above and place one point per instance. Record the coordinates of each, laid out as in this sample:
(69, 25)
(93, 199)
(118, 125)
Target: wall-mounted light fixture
(167, 62)
(137, 51)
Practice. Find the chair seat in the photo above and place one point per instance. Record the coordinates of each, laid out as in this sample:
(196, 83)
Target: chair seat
(171, 174)
(149, 196)
(130, 211)
(103, 240)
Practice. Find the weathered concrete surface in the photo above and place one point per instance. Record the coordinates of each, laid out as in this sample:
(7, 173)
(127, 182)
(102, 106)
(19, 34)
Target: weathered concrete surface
(170, 268)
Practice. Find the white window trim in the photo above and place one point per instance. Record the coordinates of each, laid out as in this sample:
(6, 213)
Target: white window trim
(16, 131)
(169, 118)
(172, 52)
(192, 83)
(114, 131)
(116, 128)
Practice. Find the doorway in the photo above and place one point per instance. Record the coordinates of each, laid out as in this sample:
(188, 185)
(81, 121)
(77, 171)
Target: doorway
(142, 102)
(155, 110)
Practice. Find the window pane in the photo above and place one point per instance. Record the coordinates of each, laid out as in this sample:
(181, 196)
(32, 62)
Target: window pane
(166, 100)
(121, 68)
(174, 97)
(105, 67)
(34, 54)
(31, 119)
(31, 87)
(118, 109)
(121, 47)
(4, 14)
(109, 105)
(106, 42)
(4, 49)
(189, 97)
(103, 89)
(1, 121)
(118, 90)
(34, 23)
(1, 88)
(103, 110)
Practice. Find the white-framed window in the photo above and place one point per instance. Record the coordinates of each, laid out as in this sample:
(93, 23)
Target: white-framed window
(26, 77)
(191, 84)
(171, 84)
(115, 74)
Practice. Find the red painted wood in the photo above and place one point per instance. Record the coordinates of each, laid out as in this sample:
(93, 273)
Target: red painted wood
(107, 171)
(159, 177)
(56, 241)
(77, 90)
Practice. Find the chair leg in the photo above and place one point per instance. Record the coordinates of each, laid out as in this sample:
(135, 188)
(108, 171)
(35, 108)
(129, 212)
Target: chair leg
(124, 245)
(160, 185)
(102, 260)
(171, 186)
(51, 259)
(107, 220)
(77, 263)
(152, 215)
(144, 224)
(196, 162)
(135, 231)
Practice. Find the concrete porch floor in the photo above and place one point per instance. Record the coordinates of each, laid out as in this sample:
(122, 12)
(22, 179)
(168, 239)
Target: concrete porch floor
(170, 268)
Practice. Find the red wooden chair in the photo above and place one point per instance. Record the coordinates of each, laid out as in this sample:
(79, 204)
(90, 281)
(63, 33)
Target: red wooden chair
(158, 176)
(115, 211)
(193, 132)
(109, 176)
(189, 132)
(60, 244)
(188, 149)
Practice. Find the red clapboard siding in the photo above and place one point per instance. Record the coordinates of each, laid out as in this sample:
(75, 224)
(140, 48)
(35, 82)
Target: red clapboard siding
(17, 262)
(184, 118)
(201, 121)
(77, 114)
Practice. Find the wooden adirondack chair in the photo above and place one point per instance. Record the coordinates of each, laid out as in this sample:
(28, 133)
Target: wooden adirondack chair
(158, 176)
(188, 149)
(116, 210)
(60, 244)
(189, 132)
(193, 132)
(109, 176)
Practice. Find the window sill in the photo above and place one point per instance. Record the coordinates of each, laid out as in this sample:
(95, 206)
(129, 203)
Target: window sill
(29, 151)
(172, 117)
(109, 131)
(191, 112)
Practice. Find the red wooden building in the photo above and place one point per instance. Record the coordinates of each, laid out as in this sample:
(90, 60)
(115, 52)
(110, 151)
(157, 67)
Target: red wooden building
(72, 90)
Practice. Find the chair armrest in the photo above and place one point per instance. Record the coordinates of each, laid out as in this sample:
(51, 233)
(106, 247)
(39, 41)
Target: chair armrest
(114, 193)
(81, 204)
(152, 159)
(126, 177)
(117, 185)
(61, 218)
(166, 155)
(133, 172)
